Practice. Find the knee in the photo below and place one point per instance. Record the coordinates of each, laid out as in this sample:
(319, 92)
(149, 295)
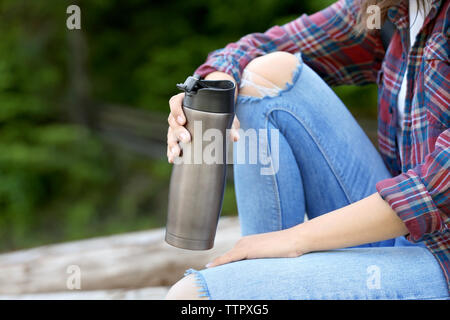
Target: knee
(270, 71)
(184, 289)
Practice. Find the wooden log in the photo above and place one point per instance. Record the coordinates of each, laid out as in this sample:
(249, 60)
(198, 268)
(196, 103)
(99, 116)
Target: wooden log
(133, 260)
(151, 293)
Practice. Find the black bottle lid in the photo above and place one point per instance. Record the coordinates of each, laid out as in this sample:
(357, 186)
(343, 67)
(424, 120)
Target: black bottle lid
(208, 95)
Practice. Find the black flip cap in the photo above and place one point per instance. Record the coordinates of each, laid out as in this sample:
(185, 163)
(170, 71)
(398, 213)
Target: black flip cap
(208, 95)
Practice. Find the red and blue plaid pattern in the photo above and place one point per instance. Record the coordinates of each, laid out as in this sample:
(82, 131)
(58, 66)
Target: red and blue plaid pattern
(419, 190)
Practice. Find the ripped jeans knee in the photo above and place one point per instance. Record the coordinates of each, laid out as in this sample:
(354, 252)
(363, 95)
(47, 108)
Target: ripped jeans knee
(268, 75)
(261, 86)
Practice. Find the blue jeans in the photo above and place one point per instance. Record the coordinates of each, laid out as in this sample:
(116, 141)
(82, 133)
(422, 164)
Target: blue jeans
(325, 162)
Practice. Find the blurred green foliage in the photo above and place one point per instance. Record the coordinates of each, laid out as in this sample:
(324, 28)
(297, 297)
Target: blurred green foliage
(58, 180)
(140, 48)
(50, 171)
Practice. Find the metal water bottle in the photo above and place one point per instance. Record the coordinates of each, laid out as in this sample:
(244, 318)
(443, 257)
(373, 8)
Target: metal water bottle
(197, 184)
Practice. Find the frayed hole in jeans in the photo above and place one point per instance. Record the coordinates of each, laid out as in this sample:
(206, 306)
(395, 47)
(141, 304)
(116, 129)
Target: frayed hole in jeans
(263, 92)
(200, 282)
(258, 86)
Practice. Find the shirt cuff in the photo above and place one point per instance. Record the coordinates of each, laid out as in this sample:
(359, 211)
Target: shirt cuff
(409, 198)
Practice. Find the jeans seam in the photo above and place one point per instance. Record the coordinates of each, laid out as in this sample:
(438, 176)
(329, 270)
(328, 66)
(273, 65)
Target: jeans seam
(274, 180)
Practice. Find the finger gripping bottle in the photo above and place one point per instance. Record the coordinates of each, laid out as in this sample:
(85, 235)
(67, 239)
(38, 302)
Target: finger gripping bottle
(197, 182)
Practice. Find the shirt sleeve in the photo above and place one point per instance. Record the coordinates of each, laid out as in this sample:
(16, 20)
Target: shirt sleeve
(421, 196)
(327, 40)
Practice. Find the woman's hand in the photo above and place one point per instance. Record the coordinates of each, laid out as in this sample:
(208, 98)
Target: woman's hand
(368, 220)
(286, 243)
(177, 132)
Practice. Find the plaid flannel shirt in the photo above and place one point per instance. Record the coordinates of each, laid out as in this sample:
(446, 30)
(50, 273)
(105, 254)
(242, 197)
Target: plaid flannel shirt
(419, 190)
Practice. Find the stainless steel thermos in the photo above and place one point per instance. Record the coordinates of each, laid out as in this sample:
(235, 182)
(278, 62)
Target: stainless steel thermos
(197, 184)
